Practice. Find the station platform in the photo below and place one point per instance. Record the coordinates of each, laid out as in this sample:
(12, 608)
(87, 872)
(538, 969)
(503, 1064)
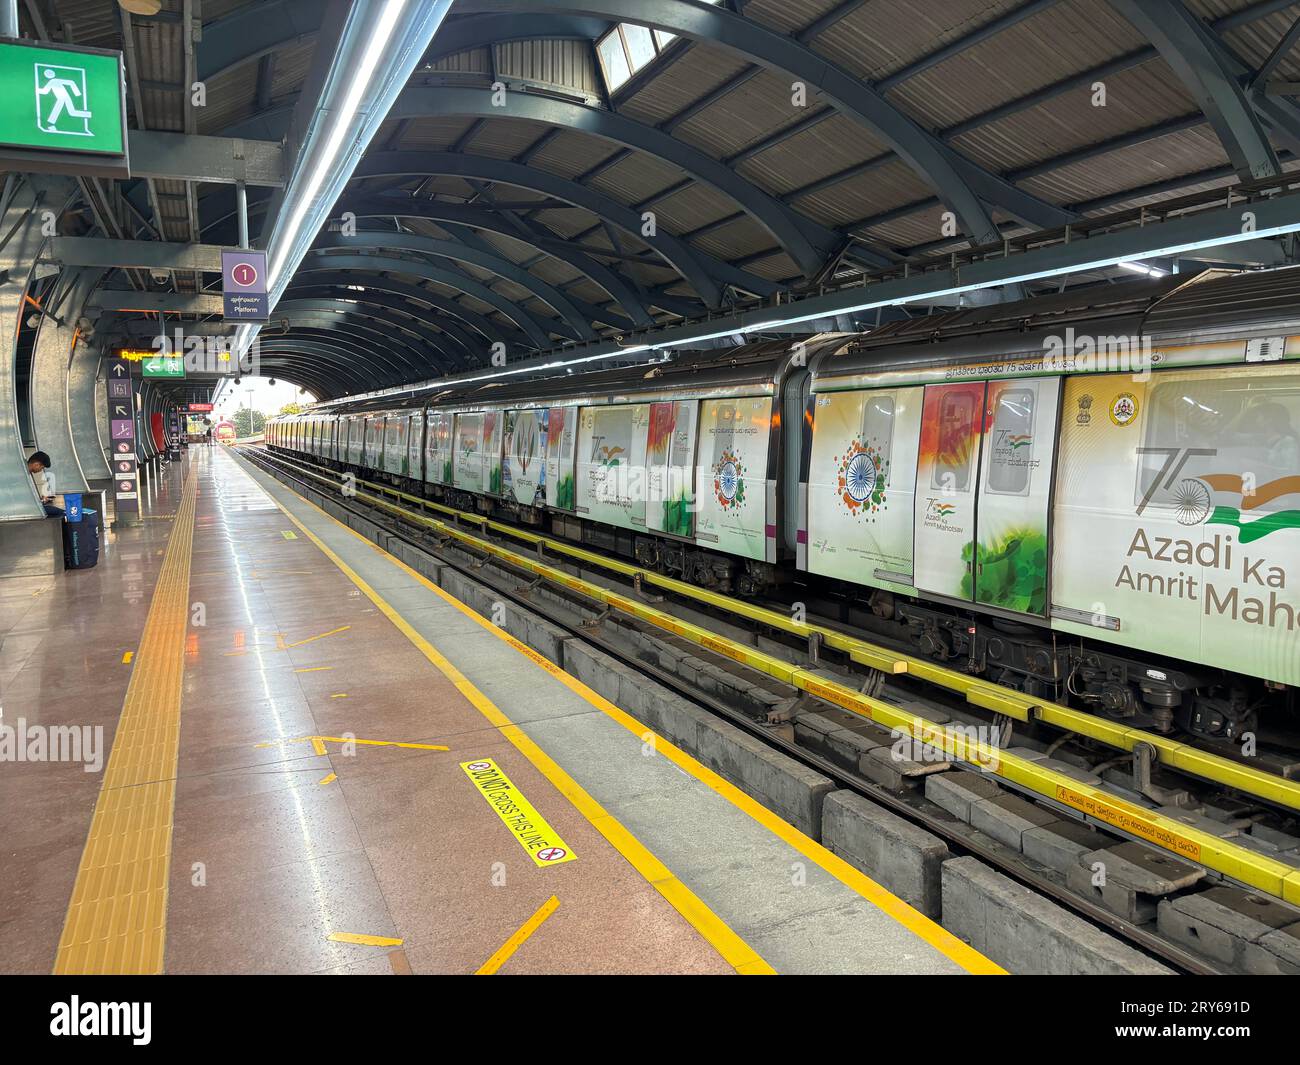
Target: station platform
(314, 760)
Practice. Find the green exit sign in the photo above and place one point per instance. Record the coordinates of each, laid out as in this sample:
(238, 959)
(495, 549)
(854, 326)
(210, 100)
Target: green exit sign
(64, 109)
(163, 366)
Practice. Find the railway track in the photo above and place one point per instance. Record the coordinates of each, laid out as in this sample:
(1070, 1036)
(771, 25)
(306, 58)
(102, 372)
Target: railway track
(829, 697)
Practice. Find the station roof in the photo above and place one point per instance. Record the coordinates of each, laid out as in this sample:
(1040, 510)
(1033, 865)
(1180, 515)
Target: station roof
(559, 171)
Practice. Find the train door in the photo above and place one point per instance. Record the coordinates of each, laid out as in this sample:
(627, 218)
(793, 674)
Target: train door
(523, 466)
(438, 448)
(467, 464)
(1012, 518)
(356, 439)
(395, 446)
(983, 492)
(373, 455)
(415, 446)
(561, 442)
(670, 467)
(952, 422)
(861, 486)
(611, 460)
(735, 494)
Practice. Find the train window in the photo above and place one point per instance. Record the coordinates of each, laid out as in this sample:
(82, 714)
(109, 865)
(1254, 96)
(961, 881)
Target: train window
(954, 455)
(1012, 452)
(1211, 440)
(878, 428)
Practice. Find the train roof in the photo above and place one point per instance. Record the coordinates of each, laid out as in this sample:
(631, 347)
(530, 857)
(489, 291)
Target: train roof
(1210, 303)
(739, 370)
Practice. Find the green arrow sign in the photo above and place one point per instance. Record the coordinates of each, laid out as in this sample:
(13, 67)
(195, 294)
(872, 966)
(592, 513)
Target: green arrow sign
(163, 366)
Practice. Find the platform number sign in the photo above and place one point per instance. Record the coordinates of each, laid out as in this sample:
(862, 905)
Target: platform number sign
(243, 285)
(120, 397)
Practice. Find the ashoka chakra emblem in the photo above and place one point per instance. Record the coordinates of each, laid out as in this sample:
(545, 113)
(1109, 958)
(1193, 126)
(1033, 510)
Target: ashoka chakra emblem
(860, 477)
(1191, 501)
(728, 480)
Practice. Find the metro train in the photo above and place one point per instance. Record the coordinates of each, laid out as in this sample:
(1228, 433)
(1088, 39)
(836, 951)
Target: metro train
(1092, 497)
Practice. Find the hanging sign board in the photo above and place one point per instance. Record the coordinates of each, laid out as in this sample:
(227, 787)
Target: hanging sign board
(121, 431)
(243, 285)
(64, 110)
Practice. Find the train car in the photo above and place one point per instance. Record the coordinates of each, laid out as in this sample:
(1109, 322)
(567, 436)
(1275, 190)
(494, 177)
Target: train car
(677, 464)
(1087, 496)
(1109, 471)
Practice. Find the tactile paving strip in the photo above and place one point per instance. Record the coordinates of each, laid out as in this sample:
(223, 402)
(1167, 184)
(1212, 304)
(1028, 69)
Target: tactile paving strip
(117, 917)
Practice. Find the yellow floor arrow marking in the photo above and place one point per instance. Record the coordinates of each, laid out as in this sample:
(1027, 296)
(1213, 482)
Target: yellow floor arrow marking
(512, 944)
(328, 779)
(281, 645)
(365, 941)
(128, 656)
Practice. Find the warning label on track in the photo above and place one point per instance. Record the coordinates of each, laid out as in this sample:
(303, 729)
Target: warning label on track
(539, 839)
(1112, 814)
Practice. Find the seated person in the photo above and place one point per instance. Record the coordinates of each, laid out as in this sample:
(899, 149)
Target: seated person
(38, 465)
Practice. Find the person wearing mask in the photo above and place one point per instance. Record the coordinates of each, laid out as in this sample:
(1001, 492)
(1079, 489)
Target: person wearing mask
(38, 465)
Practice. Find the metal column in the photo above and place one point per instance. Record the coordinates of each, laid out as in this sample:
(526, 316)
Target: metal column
(52, 359)
(31, 203)
(86, 411)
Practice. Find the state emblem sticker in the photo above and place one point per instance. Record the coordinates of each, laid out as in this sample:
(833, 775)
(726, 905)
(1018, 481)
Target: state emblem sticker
(1124, 409)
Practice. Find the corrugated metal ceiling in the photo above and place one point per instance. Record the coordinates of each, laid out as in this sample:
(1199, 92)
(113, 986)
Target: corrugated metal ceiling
(874, 40)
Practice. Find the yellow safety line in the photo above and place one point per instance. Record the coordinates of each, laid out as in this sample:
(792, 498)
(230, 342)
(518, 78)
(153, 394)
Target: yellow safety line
(507, 949)
(364, 940)
(344, 739)
(282, 646)
(1169, 751)
(733, 949)
(117, 916)
(938, 937)
(1224, 856)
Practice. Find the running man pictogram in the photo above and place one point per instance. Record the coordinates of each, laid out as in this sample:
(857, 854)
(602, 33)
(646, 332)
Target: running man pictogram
(55, 88)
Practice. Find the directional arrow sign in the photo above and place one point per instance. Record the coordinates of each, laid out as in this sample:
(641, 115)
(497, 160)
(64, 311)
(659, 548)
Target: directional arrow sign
(121, 424)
